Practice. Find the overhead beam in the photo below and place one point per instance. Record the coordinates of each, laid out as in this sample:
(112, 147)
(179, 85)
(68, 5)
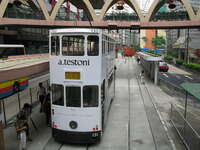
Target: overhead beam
(100, 24)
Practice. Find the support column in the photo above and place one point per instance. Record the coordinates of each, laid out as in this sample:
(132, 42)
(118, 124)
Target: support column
(156, 73)
(2, 144)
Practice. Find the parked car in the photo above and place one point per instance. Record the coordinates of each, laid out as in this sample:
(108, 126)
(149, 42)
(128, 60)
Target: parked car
(163, 66)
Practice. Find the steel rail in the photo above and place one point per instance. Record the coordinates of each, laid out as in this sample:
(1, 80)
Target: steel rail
(140, 89)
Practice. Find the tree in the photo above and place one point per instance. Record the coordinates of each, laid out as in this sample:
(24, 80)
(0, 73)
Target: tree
(144, 38)
(158, 41)
(137, 47)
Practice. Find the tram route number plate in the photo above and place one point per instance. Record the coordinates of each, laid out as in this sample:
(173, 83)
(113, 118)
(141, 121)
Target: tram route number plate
(73, 75)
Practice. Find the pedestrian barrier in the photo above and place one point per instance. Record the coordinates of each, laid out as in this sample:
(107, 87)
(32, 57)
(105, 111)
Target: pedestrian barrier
(187, 133)
(13, 104)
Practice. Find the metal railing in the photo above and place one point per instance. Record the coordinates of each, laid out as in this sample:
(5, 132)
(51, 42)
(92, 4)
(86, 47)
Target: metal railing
(174, 89)
(171, 16)
(23, 14)
(187, 133)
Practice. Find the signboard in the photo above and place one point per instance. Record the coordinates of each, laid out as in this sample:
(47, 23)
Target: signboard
(72, 75)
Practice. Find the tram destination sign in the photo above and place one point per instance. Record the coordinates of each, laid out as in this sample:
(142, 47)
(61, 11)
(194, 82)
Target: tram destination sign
(73, 75)
(74, 62)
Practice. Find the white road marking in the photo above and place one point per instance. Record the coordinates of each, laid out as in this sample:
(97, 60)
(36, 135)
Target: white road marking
(177, 76)
(188, 77)
(165, 75)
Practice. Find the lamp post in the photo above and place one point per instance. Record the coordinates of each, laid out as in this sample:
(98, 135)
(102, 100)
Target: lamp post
(171, 4)
(120, 4)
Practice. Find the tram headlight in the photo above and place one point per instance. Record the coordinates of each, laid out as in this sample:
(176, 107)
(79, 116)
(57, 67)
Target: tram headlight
(73, 124)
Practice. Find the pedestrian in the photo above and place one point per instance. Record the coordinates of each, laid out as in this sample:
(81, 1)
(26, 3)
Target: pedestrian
(23, 119)
(138, 59)
(41, 95)
(142, 76)
(47, 109)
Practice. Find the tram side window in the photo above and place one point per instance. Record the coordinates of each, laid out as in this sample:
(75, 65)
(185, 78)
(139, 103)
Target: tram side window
(57, 94)
(90, 96)
(93, 45)
(73, 45)
(55, 45)
(73, 96)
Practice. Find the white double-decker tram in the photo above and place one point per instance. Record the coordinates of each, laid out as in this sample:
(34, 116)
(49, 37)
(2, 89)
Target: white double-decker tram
(82, 76)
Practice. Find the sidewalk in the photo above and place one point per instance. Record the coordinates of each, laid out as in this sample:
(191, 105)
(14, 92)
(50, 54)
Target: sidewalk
(39, 137)
(149, 127)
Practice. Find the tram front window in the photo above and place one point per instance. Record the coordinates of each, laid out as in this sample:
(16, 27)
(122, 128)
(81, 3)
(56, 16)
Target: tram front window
(93, 46)
(90, 96)
(73, 45)
(73, 96)
(55, 45)
(57, 94)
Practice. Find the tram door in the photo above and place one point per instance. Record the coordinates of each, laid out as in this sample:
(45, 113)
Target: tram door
(103, 103)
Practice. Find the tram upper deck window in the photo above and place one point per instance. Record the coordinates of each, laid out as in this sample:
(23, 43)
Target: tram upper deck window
(90, 96)
(55, 45)
(73, 96)
(93, 45)
(73, 45)
(57, 94)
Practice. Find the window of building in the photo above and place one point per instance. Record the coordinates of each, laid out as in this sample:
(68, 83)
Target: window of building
(57, 94)
(90, 96)
(73, 45)
(55, 45)
(73, 96)
(93, 45)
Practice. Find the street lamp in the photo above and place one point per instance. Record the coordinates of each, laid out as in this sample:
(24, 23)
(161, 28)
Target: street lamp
(120, 4)
(170, 3)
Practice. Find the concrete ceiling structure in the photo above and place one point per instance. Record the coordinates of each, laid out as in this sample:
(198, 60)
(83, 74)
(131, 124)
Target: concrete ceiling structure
(89, 6)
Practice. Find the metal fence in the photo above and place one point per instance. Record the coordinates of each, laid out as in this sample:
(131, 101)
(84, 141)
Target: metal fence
(13, 104)
(177, 91)
(188, 134)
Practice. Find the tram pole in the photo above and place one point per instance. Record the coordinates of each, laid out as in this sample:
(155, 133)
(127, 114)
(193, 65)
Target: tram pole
(18, 97)
(156, 73)
(31, 96)
(4, 113)
(2, 142)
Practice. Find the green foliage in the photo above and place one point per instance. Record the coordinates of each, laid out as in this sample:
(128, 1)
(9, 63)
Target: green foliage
(168, 58)
(173, 52)
(158, 41)
(179, 61)
(152, 52)
(137, 47)
(192, 66)
(144, 38)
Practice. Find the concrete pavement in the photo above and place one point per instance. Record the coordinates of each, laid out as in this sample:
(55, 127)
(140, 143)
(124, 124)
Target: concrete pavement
(135, 121)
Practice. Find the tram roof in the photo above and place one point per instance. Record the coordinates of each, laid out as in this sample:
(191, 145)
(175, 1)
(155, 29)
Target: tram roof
(76, 30)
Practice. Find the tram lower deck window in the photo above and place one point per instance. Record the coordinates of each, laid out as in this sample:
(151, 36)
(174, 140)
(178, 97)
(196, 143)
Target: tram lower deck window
(57, 94)
(90, 96)
(73, 96)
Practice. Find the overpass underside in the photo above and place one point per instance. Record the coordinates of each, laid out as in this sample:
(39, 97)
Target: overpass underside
(95, 11)
(99, 24)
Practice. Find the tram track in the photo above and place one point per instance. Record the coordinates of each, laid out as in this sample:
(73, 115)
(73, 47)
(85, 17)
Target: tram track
(156, 123)
(142, 96)
(53, 145)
